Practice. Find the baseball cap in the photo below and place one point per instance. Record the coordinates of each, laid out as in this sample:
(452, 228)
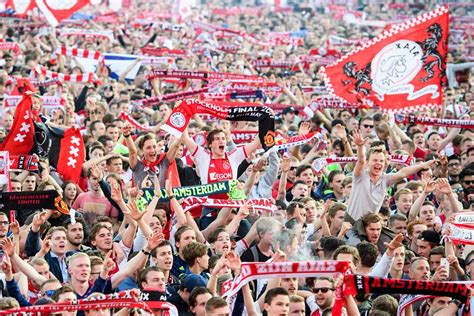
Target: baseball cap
(430, 236)
(193, 280)
(289, 109)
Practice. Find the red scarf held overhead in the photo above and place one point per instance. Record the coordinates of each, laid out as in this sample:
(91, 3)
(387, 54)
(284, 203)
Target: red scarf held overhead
(433, 121)
(232, 111)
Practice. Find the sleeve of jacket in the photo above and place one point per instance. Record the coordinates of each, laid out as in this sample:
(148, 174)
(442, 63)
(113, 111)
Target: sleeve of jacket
(14, 291)
(32, 245)
(104, 186)
(265, 184)
(99, 286)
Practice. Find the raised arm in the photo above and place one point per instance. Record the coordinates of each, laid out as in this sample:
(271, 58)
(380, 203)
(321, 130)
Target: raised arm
(360, 164)
(408, 171)
(415, 208)
(132, 149)
(189, 142)
(19, 264)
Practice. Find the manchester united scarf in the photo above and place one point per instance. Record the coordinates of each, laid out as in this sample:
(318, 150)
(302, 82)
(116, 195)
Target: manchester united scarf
(361, 284)
(32, 201)
(433, 121)
(401, 70)
(232, 111)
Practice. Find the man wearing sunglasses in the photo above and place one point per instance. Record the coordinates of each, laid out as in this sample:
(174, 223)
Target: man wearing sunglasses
(323, 298)
(366, 126)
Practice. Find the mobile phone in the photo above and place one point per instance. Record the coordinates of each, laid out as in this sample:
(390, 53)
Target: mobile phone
(1, 256)
(444, 262)
(12, 217)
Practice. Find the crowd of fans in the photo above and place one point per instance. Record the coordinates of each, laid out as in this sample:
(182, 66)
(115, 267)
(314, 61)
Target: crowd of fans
(388, 220)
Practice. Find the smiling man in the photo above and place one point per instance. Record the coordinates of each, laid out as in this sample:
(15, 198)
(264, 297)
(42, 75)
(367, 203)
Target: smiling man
(370, 182)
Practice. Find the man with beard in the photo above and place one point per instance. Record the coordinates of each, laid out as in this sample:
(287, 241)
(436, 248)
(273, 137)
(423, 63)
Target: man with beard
(370, 182)
(75, 236)
(323, 298)
(454, 168)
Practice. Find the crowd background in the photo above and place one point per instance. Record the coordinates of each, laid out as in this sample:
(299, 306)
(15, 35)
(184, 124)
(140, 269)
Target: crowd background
(386, 219)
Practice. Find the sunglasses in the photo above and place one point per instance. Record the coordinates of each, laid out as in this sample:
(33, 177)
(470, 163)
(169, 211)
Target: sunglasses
(293, 168)
(322, 289)
(368, 126)
(469, 182)
(49, 292)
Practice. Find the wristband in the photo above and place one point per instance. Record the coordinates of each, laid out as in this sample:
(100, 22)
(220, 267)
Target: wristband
(171, 197)
(126, 136)
(146, 252)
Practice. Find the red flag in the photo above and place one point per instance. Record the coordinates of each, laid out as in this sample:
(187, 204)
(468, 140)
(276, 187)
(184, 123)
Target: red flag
(71, 155)
(401, 70)
(20, 139)
(21, 7)
(57, 10)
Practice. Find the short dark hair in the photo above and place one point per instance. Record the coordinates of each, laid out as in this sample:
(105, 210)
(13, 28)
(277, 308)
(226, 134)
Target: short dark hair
(195, 293)
(211, 134)
(368, 253)
(271, 294)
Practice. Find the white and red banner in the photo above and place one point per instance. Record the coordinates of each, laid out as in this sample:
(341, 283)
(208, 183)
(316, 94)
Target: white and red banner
(319, 164)
(401, 70)
(57, 10)
(87, 77)
(14, 47)
(79, 52)
(460, 235)
(127, 117)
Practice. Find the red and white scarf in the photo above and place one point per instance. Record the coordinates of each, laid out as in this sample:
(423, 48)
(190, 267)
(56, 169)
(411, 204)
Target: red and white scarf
(79, 52)
(250, 271)
(327, 103)
(168, 97)
(109, 34)
(202, 75)
(264, 205)
(87, 77)
(461, 235)
(48, 101)
(411, 119)
(317, 59)
(127, 117)
(156, 60)
(320, 163)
